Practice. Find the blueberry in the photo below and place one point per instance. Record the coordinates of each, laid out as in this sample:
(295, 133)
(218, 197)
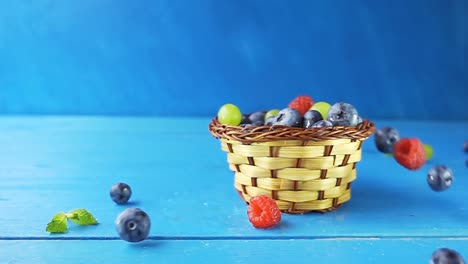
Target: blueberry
(133, 225)
(343, 114)
(439, 178)
(465, 146)
(270, 121)
(245, 119)
(311, 117)
(446, 256)
(257, 118)
(359, 120)
(385, 139)
(323, 123)
(120, 193)
(288, 117)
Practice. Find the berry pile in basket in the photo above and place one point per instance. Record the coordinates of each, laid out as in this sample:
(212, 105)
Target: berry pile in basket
(301, 112)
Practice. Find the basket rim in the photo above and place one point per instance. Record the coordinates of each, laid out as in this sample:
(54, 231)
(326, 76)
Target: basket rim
(257, 134)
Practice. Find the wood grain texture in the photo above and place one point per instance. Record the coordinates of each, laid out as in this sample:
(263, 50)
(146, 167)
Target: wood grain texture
(244, 251)
(180, 176)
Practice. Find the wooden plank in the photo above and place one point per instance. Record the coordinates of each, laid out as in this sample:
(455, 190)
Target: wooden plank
(237, 251)
(48, 165)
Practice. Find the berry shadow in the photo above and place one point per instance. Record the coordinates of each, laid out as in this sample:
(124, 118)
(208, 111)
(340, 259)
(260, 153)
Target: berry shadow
(129, 204)
(146, 244)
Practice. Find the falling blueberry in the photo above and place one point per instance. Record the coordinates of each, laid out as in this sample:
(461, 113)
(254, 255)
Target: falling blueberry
(133, 225)
(446, 256)
(343, 114)
(120, 193)
(288, 117)
(465, 147)
(385, 139)
(311, 117)
(440, 178)
(323, 123)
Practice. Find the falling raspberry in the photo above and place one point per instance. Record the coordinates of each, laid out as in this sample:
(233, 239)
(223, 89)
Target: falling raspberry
(410, 153)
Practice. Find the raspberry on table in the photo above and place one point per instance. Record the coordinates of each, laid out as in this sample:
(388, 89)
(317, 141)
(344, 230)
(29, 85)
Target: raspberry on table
(263, 212)
(410, 153)
(302, 103)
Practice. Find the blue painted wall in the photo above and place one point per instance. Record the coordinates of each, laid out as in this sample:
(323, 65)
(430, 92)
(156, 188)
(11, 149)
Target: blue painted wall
(392, 59)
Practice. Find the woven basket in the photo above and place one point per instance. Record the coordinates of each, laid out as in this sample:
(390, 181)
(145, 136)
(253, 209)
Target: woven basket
(303, 170)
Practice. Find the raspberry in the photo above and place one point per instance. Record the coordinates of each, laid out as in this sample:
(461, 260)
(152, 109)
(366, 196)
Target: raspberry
(410, 153)
(263, 212)
(302, 103)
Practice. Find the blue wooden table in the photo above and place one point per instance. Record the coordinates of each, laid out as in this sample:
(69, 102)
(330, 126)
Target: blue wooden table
(180, 178)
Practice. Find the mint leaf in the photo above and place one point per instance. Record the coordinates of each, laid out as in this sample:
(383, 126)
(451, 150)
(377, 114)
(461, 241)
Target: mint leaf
(58, 224)
(81, 217)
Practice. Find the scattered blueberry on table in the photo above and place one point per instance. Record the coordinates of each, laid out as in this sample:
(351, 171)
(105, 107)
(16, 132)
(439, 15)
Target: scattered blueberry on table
(446, 256)
(120, 193)
(440, 178)
(133, 225)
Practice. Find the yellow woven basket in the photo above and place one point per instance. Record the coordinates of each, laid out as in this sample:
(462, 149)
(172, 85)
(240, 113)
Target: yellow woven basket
(303, 170)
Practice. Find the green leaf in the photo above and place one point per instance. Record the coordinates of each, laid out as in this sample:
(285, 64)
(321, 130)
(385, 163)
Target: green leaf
(58, 224)
(81, 217)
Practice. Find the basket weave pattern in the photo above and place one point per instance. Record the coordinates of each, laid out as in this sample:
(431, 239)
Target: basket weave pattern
(301, 169)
